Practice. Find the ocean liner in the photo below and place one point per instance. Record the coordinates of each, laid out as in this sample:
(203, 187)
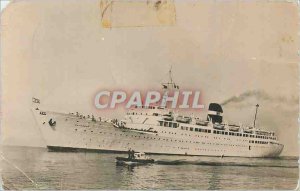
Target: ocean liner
(156, 130)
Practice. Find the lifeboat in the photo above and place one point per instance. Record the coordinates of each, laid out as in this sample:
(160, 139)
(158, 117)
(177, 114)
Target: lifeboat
(248, 131)
(219, 126)
(202, 123)
(183, 119)
(234, 128)
(168, 117)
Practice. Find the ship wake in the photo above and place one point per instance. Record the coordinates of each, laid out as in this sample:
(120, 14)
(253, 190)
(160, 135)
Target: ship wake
(213, 163)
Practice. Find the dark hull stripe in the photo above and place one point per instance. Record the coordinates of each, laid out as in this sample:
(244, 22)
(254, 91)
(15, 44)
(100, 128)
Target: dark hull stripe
(73, 149)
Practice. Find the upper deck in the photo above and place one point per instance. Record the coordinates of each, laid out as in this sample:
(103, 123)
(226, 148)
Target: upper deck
(162, 117)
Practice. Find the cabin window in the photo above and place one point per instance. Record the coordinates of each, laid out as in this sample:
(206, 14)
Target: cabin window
(170, 124)
(209, 131)
(161, 123)
(166, 124)
(191, 128)
(174, 125)
(226, 133)
(196, 129)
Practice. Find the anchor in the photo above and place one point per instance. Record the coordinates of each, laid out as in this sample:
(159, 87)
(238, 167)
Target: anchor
(52, 123)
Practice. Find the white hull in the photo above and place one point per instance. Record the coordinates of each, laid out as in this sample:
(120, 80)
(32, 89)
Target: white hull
(71, 132)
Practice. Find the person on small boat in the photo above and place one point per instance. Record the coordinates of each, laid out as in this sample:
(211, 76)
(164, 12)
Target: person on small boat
(131, 154)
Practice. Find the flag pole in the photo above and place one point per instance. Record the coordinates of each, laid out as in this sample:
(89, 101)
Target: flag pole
(255, 114)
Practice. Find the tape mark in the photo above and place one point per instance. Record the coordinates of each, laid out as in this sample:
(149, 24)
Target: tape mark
(20, 170)
(117, 13)
(105, 18)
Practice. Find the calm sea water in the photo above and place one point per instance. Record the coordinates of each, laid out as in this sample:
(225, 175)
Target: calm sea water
(58, 170)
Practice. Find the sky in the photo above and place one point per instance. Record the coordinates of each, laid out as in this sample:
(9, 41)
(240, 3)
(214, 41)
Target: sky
(61, 52)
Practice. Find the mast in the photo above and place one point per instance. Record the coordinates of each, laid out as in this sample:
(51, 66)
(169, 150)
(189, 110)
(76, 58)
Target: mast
(255, 114)
(170, 75)
(169, 85)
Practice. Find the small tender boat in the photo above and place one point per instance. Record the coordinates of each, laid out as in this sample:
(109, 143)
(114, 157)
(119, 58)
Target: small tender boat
(136, 158)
